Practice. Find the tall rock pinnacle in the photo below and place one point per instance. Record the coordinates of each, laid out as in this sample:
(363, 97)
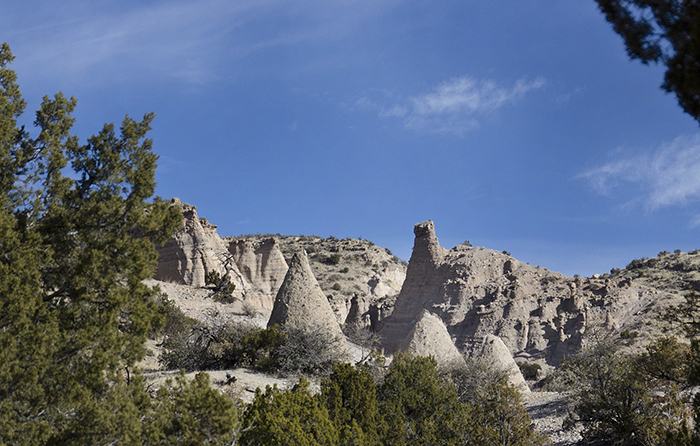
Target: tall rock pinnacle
(426, 247)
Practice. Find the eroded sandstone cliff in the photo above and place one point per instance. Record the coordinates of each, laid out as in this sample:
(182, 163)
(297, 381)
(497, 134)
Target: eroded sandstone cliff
(539, 314)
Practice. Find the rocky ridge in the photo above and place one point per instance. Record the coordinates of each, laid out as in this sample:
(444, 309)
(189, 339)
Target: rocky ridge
(360, 280)
(478, 301)
(192, 252)
(540, 315)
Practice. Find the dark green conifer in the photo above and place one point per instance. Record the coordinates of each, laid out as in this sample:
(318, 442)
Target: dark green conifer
(77, 236)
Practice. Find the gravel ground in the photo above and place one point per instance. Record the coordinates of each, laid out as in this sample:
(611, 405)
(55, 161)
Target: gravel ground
(547, 411)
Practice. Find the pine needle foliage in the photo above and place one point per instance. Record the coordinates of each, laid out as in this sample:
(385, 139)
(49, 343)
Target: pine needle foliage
(78, 230)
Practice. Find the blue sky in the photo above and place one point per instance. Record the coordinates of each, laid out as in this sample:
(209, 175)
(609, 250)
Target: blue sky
(519, 126)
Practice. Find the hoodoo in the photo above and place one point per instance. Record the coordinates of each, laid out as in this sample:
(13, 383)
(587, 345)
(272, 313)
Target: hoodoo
(301, 302)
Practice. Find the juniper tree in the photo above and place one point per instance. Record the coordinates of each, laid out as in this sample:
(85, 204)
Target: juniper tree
(663, 31)
(350, 396)
(77, 235)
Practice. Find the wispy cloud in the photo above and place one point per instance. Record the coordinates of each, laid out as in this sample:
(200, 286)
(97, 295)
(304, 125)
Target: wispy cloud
(186, 40)
(670, 176)
(455, 106)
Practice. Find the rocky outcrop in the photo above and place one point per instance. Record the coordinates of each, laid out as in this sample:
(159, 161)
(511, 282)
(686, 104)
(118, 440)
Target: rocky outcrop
(300, 302)
(539, 314)
(429, 337)
(419, 287)
(360, 280)
(494, 352)
(262, 265)
(193, 251)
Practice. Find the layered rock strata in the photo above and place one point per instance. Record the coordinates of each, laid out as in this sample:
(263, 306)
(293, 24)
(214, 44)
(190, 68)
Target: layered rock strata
(192, 252)
(256, 268)
(262, 265)
(540, 315)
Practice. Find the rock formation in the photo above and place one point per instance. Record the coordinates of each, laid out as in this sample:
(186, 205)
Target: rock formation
(493, 351)
(256, 267)
(301, 302)
(192, 252)
(360, 280)
(430, 337)
(537, 313)
(263, 266)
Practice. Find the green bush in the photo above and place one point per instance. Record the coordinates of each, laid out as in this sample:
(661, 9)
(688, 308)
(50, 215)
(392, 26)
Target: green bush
(617, 401)
(529, 371)
(277, 418)
(629, 335)
(221, 286)
(472, 378)
(173, 321)
(334, 259)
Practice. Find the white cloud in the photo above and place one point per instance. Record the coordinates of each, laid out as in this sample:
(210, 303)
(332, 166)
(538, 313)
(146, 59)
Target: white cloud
(181, 39)
(455, 106)
(467, 95)
(668, 177)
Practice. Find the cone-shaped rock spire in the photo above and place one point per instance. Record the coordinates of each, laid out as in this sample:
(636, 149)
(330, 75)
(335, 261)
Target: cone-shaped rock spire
(300, 300)
(430, 337)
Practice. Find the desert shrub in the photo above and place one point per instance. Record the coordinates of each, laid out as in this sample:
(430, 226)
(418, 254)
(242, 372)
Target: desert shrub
(350, 396)
(258, 346)
(418, 407)
(629, 335)
(412, 406)
(174, 321)
(307, 350)
(189, 413)
(287, 350)
(640, 263)
(208, 347)
(499, 418)
(334, 259)
(221, 286)
(616, 401)
(336, 286)
(345, 270)
(472, 378)
(529, 370)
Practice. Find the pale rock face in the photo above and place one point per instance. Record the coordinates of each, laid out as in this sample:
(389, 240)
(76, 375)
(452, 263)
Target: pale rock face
(492, 350)
(429, 337)
(301, 302)
(191, 252)
(538, 314)
(262, 265)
